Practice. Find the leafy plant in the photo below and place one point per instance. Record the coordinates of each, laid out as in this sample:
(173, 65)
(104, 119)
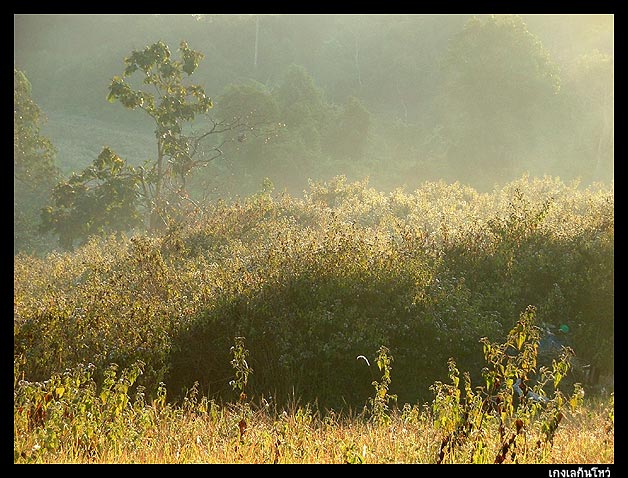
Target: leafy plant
(172, 106)
(33, 153)
(513, 396)
(34, 168)
(380, 402)
(101, 200)
(69, 409)
(316, 279)
(242, 372)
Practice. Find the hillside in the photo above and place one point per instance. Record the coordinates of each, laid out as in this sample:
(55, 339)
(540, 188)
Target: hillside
(79, 139)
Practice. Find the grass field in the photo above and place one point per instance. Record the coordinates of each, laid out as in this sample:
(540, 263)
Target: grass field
(70, 419)
(298, 435)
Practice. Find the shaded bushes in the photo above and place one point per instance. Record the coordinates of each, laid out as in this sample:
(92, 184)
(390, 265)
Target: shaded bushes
(314, 282)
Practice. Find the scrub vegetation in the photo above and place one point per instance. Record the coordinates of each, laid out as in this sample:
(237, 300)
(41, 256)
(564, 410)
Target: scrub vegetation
(341, 249)
(312, 284)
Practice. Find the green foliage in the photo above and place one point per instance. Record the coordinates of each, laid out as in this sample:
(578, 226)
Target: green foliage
(240, 366)
(494, 108)
(242, 372)
(293, 135)
(171, 106)
(71, 409)
(27, 205)
(307, 119)
(349, 136)
(297, 93)
(589, 90)
(352, 455)
(34, 169)
(502, 87)
(250, 147)
(513, 397)
(83, 416)
(251, 102)
(33, 154)
(313, 282)
(379, 404)
(102, 199)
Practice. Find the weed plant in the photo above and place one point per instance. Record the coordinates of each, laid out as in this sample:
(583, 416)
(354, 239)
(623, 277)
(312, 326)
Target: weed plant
(69, 419)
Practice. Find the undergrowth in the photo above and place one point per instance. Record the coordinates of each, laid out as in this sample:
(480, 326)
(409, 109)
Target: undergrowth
(69, 418)
(312, 281)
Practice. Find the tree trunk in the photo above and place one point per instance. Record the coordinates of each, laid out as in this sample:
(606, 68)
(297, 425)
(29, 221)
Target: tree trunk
(606, 135)
(357, 59)
(256, 40)
(155, 210)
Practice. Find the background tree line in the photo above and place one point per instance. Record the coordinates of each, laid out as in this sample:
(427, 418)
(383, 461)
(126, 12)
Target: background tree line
(399, 98)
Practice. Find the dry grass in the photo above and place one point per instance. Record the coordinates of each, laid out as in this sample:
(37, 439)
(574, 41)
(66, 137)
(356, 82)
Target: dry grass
(301, 436)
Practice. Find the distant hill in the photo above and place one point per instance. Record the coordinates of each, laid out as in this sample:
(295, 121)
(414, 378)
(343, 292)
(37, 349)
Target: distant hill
(80, 138)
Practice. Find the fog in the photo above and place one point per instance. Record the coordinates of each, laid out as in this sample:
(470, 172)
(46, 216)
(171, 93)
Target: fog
(397, 99)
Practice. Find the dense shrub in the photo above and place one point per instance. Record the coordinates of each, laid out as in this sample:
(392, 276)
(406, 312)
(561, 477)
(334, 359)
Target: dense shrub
(314, 282)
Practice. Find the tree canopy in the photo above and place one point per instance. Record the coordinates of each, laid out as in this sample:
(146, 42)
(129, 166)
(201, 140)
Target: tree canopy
(500, 94)
(399, 98)
(102, 199)
(33, 153)
(171, 106)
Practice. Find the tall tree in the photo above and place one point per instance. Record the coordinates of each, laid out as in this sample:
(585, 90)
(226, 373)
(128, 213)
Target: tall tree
(248, 153)
(592, 84)
(173, 105)
(33, 154)
(307, 118)
(500, 88)
(350, 134)
(34, 169)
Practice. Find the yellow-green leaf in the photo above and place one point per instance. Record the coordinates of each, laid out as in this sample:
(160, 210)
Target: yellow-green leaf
(520, 339)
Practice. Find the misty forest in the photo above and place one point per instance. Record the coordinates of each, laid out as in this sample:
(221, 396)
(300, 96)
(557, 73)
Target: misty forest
(314, 238)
